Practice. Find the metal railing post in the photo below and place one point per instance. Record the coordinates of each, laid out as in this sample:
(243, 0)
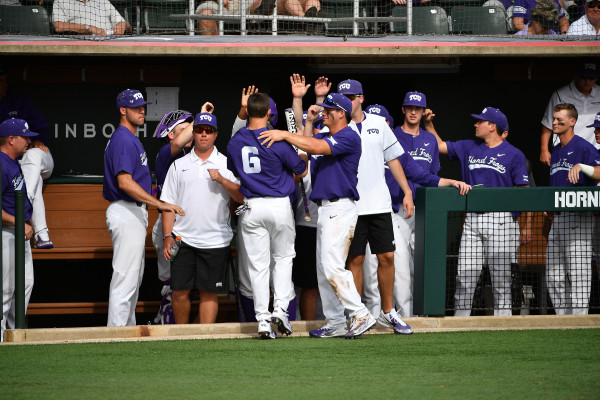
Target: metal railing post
(190, 22)
(221, 22)
(19, 259)
(243, 30)
(274, 21)
(409, 17)
(355, 15)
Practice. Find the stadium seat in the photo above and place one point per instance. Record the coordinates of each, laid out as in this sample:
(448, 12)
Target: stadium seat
(155, 16)
(342, 9)
(478, 20)
(426, 20)
(25, 20)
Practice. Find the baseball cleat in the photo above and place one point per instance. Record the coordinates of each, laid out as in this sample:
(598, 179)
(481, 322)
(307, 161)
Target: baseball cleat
(329, 331)
(40, 243)
(393, 320)
(280, 319)
(360, 325)
(265, 331)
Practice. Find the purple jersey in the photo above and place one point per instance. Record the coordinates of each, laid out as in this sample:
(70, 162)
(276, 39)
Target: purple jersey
(16, 106)
(263, 172)
(336, 175)
(501, 166)
(163, 162)
(522, 9)
(578, 150)
(12, 179)
(124, 153)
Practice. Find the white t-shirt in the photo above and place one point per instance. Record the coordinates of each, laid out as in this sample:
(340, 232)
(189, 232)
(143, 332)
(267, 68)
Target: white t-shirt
(379, 145)
(206, 223)
(582, 27)
(587, 108)
(98, 13)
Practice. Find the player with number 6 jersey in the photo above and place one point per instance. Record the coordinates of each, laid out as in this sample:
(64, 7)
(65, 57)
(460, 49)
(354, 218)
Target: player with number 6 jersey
(266, 181)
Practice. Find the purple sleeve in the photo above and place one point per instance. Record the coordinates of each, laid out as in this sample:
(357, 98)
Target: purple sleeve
(343, 143)
(124, 157)
(416, 174)
(290, 158)
(519, 173)
(163, 160)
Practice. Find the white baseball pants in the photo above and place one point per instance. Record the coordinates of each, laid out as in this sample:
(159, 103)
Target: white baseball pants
(488, 237)
(37, 165)
(569, 262)
(8, 278)
(164, 266)
(335, 230)
(127, 225)
(404, 238)
(268, 232)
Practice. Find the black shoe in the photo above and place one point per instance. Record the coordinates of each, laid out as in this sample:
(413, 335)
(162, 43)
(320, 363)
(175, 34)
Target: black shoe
(265, 8)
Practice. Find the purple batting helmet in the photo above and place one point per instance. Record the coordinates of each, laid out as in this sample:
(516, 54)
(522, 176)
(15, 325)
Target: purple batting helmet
(170, 120)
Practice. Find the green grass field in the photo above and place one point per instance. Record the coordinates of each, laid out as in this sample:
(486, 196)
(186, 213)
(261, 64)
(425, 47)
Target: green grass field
(527, 364)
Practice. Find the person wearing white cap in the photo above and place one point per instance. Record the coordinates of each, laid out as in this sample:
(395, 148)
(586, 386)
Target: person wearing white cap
(128, 188)
(584, 93)
(588, 24)
(15, 137)
(202, 184)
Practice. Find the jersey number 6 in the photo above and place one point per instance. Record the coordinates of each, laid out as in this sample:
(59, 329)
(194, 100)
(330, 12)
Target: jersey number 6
(251, 162)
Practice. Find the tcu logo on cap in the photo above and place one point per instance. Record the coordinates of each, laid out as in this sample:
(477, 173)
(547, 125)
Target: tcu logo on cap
(344, 86)
(414, 97)
(591, 66)
(205, 118)
(329, 97)
(375, 110)
(137, 96)
(597, 117)
(484, 110)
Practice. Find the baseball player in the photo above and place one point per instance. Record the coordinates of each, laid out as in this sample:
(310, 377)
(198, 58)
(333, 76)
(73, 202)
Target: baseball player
(335, 180)
(128, 187)
(584, 93)
(575, 162)
(15, 137)
(267, 226)
(199, 178)
(490, 237)
(420, 162)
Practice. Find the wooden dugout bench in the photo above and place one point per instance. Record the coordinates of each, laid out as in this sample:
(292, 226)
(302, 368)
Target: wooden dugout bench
(76, 218)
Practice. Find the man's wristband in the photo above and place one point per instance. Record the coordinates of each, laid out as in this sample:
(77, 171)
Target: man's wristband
(587, 169)
(166, 236)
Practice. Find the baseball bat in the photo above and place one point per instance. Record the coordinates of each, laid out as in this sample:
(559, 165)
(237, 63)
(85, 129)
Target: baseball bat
(291, 125)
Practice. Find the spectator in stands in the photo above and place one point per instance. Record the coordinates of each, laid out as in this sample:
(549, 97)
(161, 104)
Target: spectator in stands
(202, 184)
(522, 15)
(589, 24)
(569, 251)
(15, 137)
(128, 188)
(37, 163)
(544, 18)
(88, 17)
(230, 7)
(584, 94)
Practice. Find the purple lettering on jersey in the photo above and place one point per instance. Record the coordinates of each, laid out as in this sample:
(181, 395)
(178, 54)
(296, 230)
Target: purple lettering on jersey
(336, 175)
(578, 150)
(12, 180)
(263, 172)
(501, 166)
(124, 153)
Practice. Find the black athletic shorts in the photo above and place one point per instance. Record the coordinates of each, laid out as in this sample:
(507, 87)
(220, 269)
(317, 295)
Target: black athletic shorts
(304, 272)
(377, 230)
(202, 269)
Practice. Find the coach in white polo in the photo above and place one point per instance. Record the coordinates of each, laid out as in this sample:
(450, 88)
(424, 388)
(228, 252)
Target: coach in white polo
(203, 186)
(88, 17)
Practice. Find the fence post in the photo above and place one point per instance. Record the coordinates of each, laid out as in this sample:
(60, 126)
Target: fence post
(19, 259)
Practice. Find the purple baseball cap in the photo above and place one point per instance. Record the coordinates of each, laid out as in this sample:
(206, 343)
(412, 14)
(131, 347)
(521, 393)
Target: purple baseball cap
(16, 127)
(130, 98)
(494, 116)
(274, 114)
(380, 110)
(588, 69)
(415, 99)
(206, 119)
(596, 123)
(337, 101)
(170, 120)
(349, 86)
(319, 119)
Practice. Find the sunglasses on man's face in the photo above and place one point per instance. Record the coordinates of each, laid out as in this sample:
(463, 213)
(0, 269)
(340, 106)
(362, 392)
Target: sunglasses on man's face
(203, 129)
(593, 4)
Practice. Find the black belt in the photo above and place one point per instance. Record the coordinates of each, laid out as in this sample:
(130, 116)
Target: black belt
(140, 204)
(318, 202)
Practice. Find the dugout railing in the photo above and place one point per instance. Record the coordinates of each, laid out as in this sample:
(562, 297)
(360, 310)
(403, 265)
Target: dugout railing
(433, 256)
